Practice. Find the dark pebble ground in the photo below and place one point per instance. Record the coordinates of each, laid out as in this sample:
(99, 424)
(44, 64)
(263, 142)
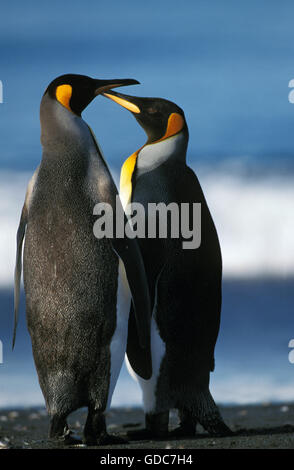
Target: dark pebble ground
(256, 427)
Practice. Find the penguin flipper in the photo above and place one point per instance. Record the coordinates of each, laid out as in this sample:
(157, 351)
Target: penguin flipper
(140, 360)
(129, 252)
(18, 266)
(127, 249)
(19, 242)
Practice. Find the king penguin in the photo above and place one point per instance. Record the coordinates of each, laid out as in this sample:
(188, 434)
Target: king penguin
(185, 284)
(78, 288)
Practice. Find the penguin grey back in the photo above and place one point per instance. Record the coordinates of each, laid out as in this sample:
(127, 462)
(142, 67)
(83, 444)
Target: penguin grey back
(71, 279)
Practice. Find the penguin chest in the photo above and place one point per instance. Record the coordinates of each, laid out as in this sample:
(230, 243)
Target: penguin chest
(70, 277)
(119, 338)
(158, 350)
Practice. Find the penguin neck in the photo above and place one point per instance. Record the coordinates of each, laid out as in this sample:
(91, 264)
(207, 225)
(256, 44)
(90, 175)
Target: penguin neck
(149, 157)
(152, 155)
(66, 139)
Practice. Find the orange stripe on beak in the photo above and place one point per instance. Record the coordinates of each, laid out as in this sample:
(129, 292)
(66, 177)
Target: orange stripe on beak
(126, 104)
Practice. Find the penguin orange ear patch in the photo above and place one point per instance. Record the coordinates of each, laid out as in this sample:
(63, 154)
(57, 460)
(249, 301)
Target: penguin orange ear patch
(63, 95)
(174, 125)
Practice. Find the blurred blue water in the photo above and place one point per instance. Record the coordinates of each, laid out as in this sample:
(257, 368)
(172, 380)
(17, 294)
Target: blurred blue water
(228, 65)
(251, 354)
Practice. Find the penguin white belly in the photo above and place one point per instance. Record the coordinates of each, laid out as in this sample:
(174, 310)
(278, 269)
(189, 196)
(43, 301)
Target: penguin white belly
(157, 353)
(119, 339)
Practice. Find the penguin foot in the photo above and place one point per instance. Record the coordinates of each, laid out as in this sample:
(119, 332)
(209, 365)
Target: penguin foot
(95, 433)
(110, 439)
(60, 432)
(187, 426)
(67, 439)
(219, 429)
(156, 427)
(70, 439)
(104, 439)
(182, 431)
(207, 414)
(144, 434)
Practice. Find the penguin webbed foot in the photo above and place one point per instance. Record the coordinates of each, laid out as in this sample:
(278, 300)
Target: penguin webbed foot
(104, 439)
(111, 439)
(60, 432)
(95, 433)
(219, 429)
(146, 434)
(63, 435)
(187, 426)
(156, 427)
(206, 413)
(182, 431)
(70, 439)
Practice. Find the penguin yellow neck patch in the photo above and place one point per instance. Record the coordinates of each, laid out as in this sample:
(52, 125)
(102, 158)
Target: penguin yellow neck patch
(125, 190)
(174, 125)
(63, 95)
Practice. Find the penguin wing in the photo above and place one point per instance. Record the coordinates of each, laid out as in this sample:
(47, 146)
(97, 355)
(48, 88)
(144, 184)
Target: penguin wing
(19, 242)
(140, 359)
(129, 252)
(127, 249)
(207, 279)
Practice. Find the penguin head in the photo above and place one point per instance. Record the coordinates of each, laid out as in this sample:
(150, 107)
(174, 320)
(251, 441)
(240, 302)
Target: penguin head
(159, 118)
(75, 92)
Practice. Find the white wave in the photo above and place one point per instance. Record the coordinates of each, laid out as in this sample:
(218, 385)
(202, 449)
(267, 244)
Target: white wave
(12, 193)
(249, 388)
(20, 390)
(254, 219)
(235, 389)
(239, 389)
(255, 222)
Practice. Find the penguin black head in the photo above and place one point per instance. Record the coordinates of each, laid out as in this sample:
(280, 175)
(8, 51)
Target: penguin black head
(75, 92)
(159, 118)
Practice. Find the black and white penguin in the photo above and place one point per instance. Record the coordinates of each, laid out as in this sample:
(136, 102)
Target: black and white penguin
(185, 283)
(78, 288)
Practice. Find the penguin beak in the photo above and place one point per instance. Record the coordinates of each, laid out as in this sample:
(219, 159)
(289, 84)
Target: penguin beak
(104, 85)
(128, 102)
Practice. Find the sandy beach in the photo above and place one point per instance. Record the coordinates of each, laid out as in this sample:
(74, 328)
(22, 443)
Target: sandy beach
(264, 426)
